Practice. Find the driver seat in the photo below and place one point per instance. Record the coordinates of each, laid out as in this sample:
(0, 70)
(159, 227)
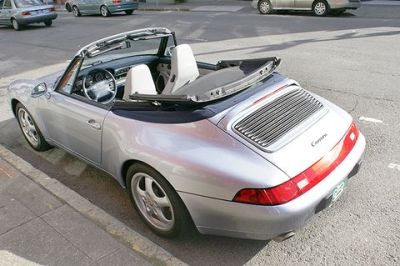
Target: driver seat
(139, 81)
(183, 69)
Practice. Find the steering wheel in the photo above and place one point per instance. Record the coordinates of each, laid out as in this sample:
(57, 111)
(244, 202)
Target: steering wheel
(104, 86)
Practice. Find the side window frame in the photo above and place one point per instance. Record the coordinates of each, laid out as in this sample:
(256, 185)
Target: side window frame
(9, 7)
(65, 74)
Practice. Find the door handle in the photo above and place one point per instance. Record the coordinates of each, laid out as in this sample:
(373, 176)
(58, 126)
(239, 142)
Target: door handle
(92, 123)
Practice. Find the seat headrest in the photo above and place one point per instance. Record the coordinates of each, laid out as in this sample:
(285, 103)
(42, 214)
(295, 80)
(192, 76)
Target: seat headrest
(139, 80)
(183, 68)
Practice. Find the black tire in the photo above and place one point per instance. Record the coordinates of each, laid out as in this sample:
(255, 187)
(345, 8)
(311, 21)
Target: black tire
(320, 8)
(48, 23)
(68, 7)
(76, 11)
(182, 222)
(337, 12)
(41, 145)
(15, 24)
(104, 11)
(128, 12)
(265, 7)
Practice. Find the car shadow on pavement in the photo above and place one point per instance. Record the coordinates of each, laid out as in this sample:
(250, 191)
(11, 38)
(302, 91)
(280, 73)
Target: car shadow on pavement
(26, 27)
(102, 190)
(310, 14)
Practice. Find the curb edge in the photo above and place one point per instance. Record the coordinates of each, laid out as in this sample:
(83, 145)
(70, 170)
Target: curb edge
(111, 225)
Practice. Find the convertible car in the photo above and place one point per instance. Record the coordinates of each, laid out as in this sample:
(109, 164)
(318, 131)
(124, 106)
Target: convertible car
(232, 148)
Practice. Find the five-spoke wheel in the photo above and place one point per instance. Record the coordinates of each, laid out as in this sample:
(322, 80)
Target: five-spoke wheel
(157, 202)
(30, 130)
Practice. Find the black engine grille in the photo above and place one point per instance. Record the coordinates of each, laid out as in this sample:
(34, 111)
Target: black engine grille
(273, 120)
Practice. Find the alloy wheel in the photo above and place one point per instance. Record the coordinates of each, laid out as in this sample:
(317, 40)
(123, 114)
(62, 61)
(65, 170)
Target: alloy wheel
(104, 11)
(152, 201)
(320, 9)
(76, 11)
(28, 127)
(265, 7)
(15, 24)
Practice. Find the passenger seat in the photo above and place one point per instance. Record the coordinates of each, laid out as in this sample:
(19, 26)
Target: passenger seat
(183, 69)
(139, 80)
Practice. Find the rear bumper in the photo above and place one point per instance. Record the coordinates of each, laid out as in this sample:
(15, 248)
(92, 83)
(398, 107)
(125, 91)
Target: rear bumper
(344, 4)
(123, 7)
(220, 217)
(37, 18)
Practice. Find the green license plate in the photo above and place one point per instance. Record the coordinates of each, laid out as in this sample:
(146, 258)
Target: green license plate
(338, 191)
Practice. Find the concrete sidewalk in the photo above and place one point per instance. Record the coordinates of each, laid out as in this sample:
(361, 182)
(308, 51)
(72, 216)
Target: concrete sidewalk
(38, 228)
(42, 222)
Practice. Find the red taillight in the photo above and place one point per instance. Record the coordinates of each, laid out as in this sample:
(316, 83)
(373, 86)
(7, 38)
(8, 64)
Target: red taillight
(25, 13)
(304, 181)
(52, 9)
(116, 1)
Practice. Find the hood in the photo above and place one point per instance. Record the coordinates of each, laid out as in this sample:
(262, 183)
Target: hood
(287, 125)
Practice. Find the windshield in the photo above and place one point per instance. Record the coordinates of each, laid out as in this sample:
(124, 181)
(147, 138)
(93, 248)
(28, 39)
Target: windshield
(27, 3)
(123, 49)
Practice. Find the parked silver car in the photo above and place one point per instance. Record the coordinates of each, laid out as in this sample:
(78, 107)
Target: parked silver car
(17, 13)
(103, 7)
(234, 148)
(318, 7)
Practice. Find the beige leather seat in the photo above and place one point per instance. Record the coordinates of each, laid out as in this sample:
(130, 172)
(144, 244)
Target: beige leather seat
(183, 69)
(139, 80)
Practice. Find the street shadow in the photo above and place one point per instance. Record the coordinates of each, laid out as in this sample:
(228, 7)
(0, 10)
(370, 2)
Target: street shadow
(26, 27)
(102, 190)
(310, 14)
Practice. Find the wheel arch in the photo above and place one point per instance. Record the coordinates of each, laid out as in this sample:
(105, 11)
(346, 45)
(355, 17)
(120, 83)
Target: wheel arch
(124, 172)
(14, 103)
(68, 7)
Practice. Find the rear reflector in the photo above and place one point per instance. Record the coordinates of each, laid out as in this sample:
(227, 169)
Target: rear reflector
(116, 1)
(25, 13)
(304, 181)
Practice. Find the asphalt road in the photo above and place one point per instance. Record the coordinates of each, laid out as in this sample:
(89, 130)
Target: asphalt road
(352, 60)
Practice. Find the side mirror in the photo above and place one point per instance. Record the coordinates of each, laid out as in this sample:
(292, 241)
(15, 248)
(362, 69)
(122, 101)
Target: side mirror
(168, 50)
(39, 90)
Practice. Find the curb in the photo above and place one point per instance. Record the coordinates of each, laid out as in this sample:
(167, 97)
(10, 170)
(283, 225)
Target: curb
(152, 252)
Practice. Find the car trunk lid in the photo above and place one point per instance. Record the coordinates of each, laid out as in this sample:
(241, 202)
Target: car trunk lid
(286, 125)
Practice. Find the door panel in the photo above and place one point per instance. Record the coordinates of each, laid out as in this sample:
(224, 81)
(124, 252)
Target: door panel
(283, 4)
(75, 125)
(5, 12)
(303, 4)
(84, 6)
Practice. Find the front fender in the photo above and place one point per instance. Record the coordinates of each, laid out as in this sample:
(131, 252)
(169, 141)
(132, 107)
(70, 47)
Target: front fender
(21, 91)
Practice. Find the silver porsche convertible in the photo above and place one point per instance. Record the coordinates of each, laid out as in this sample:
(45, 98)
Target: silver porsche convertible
(232, 148)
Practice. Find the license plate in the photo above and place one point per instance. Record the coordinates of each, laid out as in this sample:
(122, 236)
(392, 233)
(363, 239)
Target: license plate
(338, 191)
